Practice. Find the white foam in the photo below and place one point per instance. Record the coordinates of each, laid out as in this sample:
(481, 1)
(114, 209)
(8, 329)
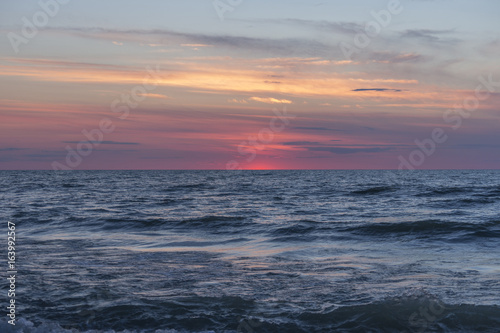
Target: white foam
(26, 326)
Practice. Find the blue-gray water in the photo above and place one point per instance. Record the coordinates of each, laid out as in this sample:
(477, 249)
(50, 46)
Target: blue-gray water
(255, 251)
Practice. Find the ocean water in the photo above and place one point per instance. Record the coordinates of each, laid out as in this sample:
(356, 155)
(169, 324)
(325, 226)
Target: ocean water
(254, 251)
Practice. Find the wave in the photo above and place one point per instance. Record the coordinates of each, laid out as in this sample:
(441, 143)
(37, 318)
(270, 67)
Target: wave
(205, 222)
(428, 227)
(170, 201)
(490, 191)
(189, 187)
(406, 314)
(293, 230)
(69, 185)
(296, 233)
(230, 314)
(374, 190)
(473, 201)
(211, 221)
(203, 244)
(26, 326)
(445, 191)
(294, 238)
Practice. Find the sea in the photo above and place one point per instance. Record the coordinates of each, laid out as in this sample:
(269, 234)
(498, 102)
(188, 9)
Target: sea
(253, 251)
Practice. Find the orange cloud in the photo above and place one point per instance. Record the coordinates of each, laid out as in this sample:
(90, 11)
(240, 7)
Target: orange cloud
(160, 96)
(270, 100)
(234, 77)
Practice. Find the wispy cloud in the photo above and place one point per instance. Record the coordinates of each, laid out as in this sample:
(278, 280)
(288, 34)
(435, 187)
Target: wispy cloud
(237, 101)
(345, 28)
(270, 100)
(108, 142)
(165, 37)
(314, 128)
(12, 149)
(300, 143)
(343, 150)
(378, 89)
(431, 36)
(395, 57)
(160, 96)
(196, 45)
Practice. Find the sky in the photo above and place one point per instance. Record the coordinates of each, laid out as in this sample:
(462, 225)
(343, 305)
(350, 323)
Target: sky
(249, 84)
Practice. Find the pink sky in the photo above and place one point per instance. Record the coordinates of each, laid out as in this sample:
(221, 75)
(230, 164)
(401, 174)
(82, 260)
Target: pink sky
(201, 93)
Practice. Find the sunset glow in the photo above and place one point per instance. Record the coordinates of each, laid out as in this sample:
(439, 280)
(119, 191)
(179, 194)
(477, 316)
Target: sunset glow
(184, 89)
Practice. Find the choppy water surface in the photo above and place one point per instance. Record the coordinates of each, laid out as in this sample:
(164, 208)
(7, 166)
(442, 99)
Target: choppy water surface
(255, 251)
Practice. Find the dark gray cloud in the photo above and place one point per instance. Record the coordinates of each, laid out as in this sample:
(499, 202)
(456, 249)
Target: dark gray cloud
(396, 57)
(348, 28)
(45, 155)
(12, 149)
(119, 151)
(431, 36)
(378, 89)
(476, 145)
(108, 142)
(281, 46)
(315, 128)
(162, 157)
(343, 150)
(119, 143)
(300, 143)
